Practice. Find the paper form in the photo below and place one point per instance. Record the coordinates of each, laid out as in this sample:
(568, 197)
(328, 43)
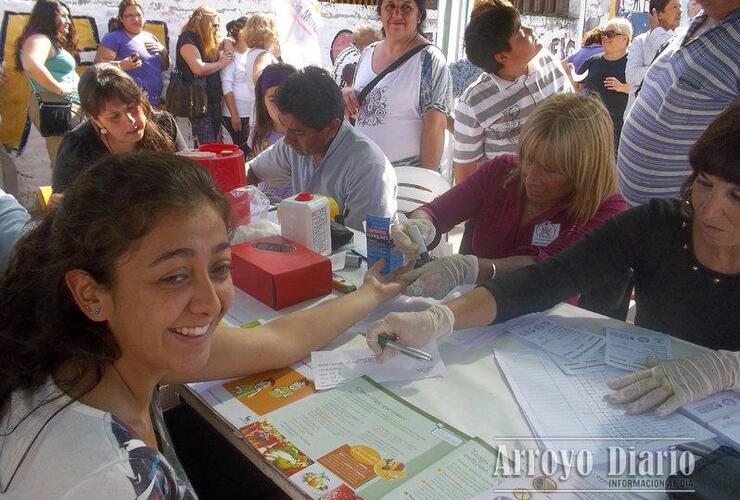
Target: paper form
(572, 413)
(720, 413)
(628, 350)
(560, 340)
(331, 368)
(590, 365)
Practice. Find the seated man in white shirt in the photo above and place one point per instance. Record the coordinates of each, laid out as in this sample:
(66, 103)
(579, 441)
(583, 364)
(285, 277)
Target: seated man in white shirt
(323, 154)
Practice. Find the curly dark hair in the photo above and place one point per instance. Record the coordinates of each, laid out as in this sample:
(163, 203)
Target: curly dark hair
(717, 151)
(312, 96)
(488, 34)
(43, 21)
(104, 214)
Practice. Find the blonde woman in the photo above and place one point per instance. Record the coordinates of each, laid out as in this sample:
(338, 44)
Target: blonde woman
(198, 55)
(561, 184)
(254, 47)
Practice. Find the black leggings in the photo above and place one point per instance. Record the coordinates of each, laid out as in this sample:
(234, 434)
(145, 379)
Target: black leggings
(239, 138)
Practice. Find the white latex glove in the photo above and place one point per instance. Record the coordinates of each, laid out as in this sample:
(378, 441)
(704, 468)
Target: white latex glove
(402, 240)
(672, 384)
(413, 329)
(437, 278)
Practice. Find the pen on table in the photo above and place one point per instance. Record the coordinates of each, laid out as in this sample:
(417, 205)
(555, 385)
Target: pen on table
(384, 342)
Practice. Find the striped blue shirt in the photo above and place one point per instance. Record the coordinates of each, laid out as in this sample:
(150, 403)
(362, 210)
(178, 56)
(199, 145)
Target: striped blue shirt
(688, 85)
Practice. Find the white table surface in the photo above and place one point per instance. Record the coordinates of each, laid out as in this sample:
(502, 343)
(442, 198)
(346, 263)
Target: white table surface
(473, 398)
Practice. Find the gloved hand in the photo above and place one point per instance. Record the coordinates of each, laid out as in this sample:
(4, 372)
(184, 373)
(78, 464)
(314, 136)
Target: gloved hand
(413, 329)
(402, 240)
(437, 278)
(672, 384)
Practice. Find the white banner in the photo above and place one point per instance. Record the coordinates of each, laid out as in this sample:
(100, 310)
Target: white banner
(298, 23)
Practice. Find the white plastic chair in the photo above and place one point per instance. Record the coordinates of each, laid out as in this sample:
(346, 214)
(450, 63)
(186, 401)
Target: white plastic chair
(417, 186)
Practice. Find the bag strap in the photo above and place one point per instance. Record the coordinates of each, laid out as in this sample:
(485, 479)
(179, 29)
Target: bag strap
(391, 68)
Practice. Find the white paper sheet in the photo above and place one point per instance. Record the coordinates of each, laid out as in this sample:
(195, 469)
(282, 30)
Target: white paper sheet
(331, 368)
(560, 340)
(627, 350)
(720, 413)
(589, 365)
(572, 413)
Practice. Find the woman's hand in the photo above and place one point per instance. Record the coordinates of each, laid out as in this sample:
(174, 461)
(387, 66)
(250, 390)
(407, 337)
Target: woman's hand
(225, 57)
(351, 105)
(401, 234)
(414, 329)
(68, 87)
(440, 276)
(386, 287)
(154, 47)
(668, 385)
(612, 83)
(131, 62)
(236, 122)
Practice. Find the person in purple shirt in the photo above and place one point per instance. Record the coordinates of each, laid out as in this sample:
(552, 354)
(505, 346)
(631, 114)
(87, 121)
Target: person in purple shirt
(590, 46)
(135, 51)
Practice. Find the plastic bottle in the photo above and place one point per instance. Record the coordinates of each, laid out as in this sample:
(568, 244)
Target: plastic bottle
(304, 219)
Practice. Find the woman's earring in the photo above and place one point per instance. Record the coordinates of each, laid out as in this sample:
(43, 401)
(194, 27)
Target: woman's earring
(103, 130)
(93, 310)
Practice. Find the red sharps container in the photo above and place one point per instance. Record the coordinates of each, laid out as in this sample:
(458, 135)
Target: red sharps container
(225, 162)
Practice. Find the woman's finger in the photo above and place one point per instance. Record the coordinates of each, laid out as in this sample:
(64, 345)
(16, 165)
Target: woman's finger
(635, 390)
(625, 380)
(650, 400)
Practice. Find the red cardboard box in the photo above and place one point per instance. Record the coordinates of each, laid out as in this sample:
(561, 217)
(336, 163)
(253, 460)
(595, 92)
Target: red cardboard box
(278, 272)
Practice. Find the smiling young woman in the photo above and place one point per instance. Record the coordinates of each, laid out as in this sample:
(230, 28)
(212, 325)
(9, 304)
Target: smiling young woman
(120, 288)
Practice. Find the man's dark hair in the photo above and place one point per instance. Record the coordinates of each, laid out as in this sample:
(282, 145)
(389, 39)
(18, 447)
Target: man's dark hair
(312, 96)
(658, 5)
(488, 33)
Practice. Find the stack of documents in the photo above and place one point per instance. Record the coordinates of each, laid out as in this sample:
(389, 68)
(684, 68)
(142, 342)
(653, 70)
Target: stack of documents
(721, 414)
(570, 411)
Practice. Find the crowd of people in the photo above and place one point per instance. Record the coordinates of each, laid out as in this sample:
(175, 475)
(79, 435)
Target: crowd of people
(610, 175)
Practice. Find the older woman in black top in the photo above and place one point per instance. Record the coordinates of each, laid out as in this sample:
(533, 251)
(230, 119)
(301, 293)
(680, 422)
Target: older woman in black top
(686, 261)
(120, 120)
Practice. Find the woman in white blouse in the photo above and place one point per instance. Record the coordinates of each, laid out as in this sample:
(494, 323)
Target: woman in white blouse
(253, 51)
(406, 112)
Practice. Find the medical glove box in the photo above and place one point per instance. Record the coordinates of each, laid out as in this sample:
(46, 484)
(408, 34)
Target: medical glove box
(278, 272)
